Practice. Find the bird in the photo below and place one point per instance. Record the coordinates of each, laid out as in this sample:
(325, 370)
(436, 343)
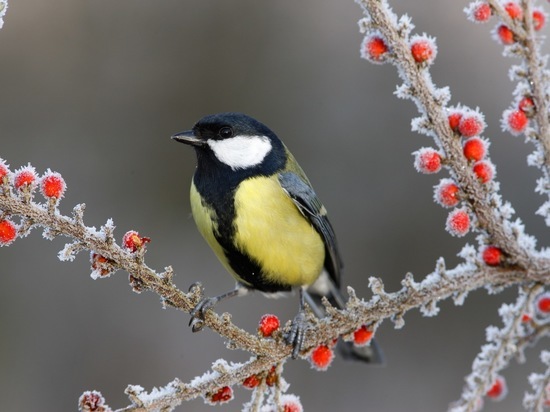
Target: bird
(257, 210)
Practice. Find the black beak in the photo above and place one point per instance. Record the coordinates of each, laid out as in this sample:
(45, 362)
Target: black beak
(188, 137)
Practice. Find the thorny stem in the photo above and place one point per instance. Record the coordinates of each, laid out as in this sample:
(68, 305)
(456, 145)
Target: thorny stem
(475, 192)
(526, 270)
(541, 395)
(508, 347)
(535, 72)
(184, 392)
(269, 352)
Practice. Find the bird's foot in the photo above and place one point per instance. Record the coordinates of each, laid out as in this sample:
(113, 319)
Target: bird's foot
(198, 313)
(297, 333)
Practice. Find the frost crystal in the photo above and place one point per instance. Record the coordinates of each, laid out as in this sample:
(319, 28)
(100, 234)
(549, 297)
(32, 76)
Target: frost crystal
(68, 253)
(430, 310)
(405, 25)
(3, 8)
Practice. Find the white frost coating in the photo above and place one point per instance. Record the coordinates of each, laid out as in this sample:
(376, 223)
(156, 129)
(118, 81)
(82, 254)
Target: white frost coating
(3, 8)
(106, 231)
(241, 152)
(167, 391)
(68, 253)
(219, 367)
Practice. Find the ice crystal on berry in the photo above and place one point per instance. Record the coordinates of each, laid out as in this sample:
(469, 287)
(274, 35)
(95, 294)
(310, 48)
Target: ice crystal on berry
(25, 177)
(321, 357)
(52, 185)
(8, 232)
(427, 160)
(423, 49)
(458, 222)
(446, 193)
(374, 48)
(515, 121)
(471, 124)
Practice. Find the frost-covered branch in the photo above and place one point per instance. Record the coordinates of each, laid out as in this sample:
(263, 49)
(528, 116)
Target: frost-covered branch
(3, 8)
(17, 200)
(474, 177)
(472, 189)
(503, 344)
(505, 256)
(541, 384)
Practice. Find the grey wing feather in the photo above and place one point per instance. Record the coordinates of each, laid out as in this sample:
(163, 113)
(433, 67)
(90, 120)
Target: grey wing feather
(311, 207)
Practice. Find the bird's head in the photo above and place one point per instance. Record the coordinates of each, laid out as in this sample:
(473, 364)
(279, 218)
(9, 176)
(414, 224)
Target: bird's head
(233, 139)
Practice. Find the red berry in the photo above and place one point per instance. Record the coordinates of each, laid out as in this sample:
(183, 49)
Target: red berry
(8, 232)
(492, 256)
(291, 403)
(133, 241)
(527, 106)
(447, 193)
(526, 318)
(374, 48)
(362, 336)
(543, 303)
(4, 171)
(321, 357)
(498, 389)
(471, 124)
(53, 185)
(427, 160)
(222, 395)
(102, 267)
(516, 121)
(423, 49)
(268, 325)
(24, 177)
(539, 19)
(454, 120)
(482, 12)
(484, 171)
(474, 149)
(92, 401)
(458, 222)
(272, 377)
(505, 35)
(514, 10)
(251, 382)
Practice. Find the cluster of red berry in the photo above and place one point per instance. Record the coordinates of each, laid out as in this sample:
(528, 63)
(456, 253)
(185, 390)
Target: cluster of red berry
(320, 358)
(375, 49)
(481, 12)
(25, 181)
(516, 118)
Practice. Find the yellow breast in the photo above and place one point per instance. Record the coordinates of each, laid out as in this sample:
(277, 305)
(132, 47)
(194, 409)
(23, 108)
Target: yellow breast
(271, 230)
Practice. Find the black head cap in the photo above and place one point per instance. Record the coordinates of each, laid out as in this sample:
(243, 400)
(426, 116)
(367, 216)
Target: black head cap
(221, 126)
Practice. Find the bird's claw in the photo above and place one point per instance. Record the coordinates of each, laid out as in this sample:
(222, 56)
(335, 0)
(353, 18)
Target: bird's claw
(199, 311)
(196, 324)
(297, 333)
(196, 287)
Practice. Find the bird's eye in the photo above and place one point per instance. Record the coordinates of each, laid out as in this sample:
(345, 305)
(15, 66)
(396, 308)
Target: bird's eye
(225, 132)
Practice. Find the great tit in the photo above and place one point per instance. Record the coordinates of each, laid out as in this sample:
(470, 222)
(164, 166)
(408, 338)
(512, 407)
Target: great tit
(257, 210)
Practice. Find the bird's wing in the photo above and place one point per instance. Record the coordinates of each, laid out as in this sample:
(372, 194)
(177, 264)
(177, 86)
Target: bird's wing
(311, 207)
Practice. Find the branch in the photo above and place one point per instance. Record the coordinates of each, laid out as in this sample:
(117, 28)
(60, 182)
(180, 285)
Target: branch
(503, 345)
(442, 283)
(541, 384)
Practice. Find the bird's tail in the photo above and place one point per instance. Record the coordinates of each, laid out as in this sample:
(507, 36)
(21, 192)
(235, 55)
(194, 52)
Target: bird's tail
(370, 353)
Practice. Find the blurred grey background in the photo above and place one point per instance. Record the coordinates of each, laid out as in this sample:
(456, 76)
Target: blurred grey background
(94, 89)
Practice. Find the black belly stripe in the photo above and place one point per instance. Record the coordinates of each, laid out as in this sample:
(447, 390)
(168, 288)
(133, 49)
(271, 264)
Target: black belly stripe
(216, 184)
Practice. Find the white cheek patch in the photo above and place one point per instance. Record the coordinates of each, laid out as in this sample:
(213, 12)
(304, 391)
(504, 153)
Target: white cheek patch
(241, 152)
